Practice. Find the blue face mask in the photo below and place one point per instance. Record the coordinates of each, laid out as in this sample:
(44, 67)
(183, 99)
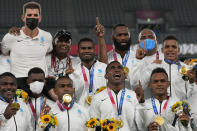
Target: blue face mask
(150, 44)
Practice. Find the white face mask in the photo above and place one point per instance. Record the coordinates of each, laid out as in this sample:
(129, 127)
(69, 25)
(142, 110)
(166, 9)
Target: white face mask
(36, 87)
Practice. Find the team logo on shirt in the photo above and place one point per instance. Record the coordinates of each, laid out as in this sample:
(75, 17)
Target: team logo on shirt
(100, 71)
(79, 111)
(132, 61)
(42, 40)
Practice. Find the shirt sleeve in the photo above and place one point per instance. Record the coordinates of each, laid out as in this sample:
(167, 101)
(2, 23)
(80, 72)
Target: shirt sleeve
(94, 108)
(7, 42)
(50, 39)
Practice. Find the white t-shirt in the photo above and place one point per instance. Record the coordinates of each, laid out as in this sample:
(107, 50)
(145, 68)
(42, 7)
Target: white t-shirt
(4, 64)
(26, 52)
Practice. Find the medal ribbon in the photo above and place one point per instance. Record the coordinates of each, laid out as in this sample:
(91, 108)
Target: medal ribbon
(157, 55)
(1, 98)
(155, 107)
(114, 55)
(63, 107)
(90, 86)
(53, 62)
(119, 110)
(125, 59)
(32, 106)
(124, 63)
(172, 62)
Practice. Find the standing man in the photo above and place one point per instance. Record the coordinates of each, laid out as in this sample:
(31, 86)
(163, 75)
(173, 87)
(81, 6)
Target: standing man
(116, 101)
(28, 49)
(122, 52)
(88, 75)
(178, 87)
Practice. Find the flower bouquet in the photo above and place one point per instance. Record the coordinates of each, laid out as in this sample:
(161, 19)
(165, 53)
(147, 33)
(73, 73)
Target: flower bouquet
(47, 121)
(22, 94)
(94, 124)
(179, 108)
(109, 124)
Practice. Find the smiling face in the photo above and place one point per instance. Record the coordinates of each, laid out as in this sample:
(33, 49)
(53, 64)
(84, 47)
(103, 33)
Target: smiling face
(115, 73)
(63, 47)
(159, 83)
(170, 50)
(8, 88)
(86, 51)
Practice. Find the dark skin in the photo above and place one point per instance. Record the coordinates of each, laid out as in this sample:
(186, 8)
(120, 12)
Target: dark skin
(86, 52)
(159, 84)
(170, 50)
(100, 32)
(64, 86)
(122, 35)
(35, 77)
(62, 49)
(8, 89)
(116, 78)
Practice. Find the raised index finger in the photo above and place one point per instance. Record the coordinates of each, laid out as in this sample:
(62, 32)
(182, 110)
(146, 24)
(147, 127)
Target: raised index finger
(97, 21)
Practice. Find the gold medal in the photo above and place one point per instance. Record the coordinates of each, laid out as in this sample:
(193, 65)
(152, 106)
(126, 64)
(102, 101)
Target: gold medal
(67, 98)
(89, 100)
(119, 123)
(160, 120)
(183, 70)
(16, 105)
(126, 70)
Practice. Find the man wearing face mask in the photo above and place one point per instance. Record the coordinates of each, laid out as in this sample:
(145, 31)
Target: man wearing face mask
(36, 83)
(29, 48)
(178, 87)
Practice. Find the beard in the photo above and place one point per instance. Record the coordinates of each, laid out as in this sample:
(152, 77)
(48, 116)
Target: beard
(122, 47)
(87, 59)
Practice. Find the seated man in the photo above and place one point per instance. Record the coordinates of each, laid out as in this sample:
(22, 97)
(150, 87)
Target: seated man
(14, 113)
(159, 107)
(35, 85)
(116, 101)
(70, 115)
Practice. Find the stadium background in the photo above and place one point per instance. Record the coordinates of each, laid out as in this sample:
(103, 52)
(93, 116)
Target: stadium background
(177, 17)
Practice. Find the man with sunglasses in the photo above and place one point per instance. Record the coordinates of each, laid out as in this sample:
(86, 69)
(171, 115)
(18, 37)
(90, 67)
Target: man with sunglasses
(29, 48)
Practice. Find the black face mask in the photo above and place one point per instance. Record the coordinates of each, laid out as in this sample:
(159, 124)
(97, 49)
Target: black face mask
(31, 23)
(122, 47)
